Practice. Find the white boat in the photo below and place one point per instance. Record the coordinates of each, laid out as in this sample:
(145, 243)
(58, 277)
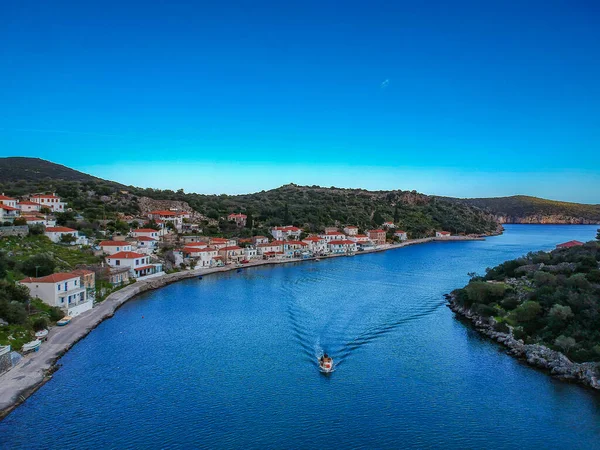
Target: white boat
(41, 335)
(64, 321)
(32, 346)
(326, 364)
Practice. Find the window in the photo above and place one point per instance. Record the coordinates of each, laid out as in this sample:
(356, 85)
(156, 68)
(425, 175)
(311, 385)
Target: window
(58, 286)
(118, 262)
(62, 299)
(137, 262)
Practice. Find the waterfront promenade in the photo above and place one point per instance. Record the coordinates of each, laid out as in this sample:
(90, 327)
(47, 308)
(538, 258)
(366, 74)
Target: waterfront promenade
(36, 368)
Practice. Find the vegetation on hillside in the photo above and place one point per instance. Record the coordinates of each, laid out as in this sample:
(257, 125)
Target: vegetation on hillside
(544, 298)
(520, 206)
(310, 207)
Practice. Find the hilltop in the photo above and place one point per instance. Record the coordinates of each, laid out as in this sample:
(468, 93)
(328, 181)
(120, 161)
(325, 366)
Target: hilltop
(526, 209)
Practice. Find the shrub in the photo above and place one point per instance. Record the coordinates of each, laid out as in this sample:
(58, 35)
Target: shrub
(56, 314)
(501, 327)
(40, 323)
(527, 312)
(45, 265)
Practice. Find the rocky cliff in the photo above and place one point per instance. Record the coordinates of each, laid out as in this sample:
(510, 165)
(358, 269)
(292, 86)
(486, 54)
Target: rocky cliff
(546, 219)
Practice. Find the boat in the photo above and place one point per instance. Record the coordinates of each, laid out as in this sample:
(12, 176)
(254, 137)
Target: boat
(317, 259)
(32, 346)
(200, 277)
(64, 321)
(326, 363)
(41, 335)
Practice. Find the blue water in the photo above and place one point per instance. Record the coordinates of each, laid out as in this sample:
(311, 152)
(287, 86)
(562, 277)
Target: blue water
(229, 362)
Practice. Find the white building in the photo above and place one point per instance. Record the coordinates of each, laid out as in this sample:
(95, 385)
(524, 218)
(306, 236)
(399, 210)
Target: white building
(239, 219)
(29, 207)
(442, 234)
(342, 246)
(389, 225)
(401, 235)
(138, 263)
(359, 238)
(146, 244)
(112, 247)
(287, 232)
(8, 201)
(333, 236)
(270, 249)
(316, 244)
(250, 253)
(231, 253)
(174, 216)
(146, 232)
(351, 230)
(63, 290)
(260, 240)
(55, 234)
(51, 202)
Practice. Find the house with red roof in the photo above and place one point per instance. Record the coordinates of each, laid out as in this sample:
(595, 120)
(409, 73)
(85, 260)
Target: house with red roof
(204, 256)
(316, 244)
(112, 247)
(260, 240)
(350, 230)
(174, 216)
(63, 290)
(400, 234)
(329, 236)
(27, 206)
(50, 201)
(239, 219)
(388, 225)
(342, 246)
(569, 244)
(146, 244)
(138, 263)
(231, 253)
(359, 238)
(270, 249)
(442, 234)
(55, 234)
(287, 232)
(378, 237)
(146, 232)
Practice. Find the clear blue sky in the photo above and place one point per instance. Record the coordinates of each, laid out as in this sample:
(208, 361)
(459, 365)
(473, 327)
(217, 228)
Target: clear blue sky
(452, 98)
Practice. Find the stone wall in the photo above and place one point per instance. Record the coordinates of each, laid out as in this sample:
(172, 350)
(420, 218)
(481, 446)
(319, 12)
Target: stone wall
(5, 359)
(22, 230)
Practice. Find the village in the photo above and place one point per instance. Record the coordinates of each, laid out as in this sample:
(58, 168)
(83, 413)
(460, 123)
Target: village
(162, 242)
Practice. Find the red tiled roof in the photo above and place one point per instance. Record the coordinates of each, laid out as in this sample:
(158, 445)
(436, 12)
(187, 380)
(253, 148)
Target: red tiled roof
(33, 219)
(126, 255)
(376, 231)
(114, 243)
(82, 272)
(25, 202)
(59, 230)
(272, 253)
(335, 233)
(399, 231)
(8, 208)
(4, 197)
(287, 228)
(219, 240)
(145, 230)
(137, 269)
(313, 239)
(360, 236)
(44, 196)
(569, 244)
(231, 247)
(269, 244)
(54, 278)
(342, 242)
(241, 216)
(444, 232)
(198, 250)
(300, 243)
(259, 237)
(145, 239)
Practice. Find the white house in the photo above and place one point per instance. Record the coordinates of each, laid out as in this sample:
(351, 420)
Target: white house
(359, 238)
(388, 225)
(64, 290)
(174, 216)
(401, 235)
(8, 213)
(316, 244)
(442, 234)
(138, 263)
(51, 202)
(333, 236)
(27, 206)
(351, 230)
(146, 232)
(206, 256)
(8, 201)
(56, 233)
(146, 244)
(342, 246)
(250, 253)
(219, 243)
(270, 248)
(287, 232)
(112, 247)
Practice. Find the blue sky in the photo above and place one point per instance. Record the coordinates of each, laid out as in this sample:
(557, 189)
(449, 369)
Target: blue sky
(466, 99)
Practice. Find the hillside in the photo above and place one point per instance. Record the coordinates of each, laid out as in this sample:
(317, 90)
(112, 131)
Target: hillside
(311, 207)
(525, 209)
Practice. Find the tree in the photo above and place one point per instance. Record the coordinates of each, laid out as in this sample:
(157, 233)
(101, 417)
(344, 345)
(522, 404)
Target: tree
(527, 311)
(36, 229)
(67, 238)
(565, 343)
(396, 215)
(45, 265)
(19, 221)
(41, 323)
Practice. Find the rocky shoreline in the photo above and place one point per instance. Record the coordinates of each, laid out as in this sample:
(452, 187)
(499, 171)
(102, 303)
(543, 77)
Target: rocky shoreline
(539, 356)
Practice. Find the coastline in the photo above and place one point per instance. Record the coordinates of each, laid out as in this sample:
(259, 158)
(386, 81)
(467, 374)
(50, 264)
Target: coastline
(35, 369)
(538, 356)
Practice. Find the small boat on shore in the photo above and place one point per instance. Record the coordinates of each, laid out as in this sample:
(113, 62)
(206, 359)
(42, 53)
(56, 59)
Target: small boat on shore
(41, 335)
(64, 321)
(326, 364)
(32, 346)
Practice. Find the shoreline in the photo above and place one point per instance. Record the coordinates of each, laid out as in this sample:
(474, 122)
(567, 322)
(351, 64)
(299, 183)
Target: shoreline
(537, 356)
(35, 369)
